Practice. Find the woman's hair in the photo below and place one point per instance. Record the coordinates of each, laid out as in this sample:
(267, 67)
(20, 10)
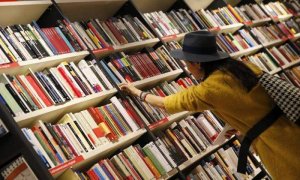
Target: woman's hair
(236, 68)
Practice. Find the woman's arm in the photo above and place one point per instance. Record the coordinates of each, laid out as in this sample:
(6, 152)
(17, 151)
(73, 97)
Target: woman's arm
(154, 100)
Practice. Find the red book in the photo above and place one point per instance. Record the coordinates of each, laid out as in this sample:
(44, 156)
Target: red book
(52, 39)
(137, 65)
(74, 33)
(69, 80)
(97, 34)
(60, 40)
(92, 175)
(160, 92)
(132, 113)
(143, 65)
(283, 52)
(115, 123)
(38, 90)
(129, 166)
(115, 32)
(121, 67)
(99, 119)
(280, 62)
(154, 68)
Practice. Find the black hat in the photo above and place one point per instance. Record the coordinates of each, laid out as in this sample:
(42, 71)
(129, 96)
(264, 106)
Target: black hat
(199, 46)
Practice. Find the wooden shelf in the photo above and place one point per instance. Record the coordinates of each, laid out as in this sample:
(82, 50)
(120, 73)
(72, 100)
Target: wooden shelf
(169, 120)
(21, 12)
(53, 112)
(135, 46)
(273, 43)
(257, 22)
(78, 10)
(296, 37)
(40, 64)
(196, 5)
(146, 6)
(148, 82)
(226, 29)
(92, 157)
(275, 71)
(177, 37)
(245, 52)
(291, 64)
(281, 17)
(199, 156)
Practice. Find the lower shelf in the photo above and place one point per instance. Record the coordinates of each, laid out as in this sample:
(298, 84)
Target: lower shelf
(245, 52)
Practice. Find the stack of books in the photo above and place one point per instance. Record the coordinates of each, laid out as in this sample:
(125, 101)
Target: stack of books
(268, 33)
(52, 86)
(239, 41)
(27, 42)
(81, 132)
(251, 12)
(222, 165)
(113, 31)
(129, 68)
(292, 76)
(275, 9)
(171, 23)
(285, 54)
(219, 17)
(164, 89)
(289, 28)
(263, 60)
(293, 6)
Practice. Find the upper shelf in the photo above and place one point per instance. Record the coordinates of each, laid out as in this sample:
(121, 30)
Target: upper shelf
(77, 10)
(21, 12)
(281, 17)
(146, 6)
(226, 29)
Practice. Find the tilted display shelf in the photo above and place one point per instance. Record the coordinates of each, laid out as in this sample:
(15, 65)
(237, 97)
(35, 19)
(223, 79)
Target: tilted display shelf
(177, 37)
(273, 43)
(21, 12)
(227, 29)
(245, 52)
(40, 64)
(291, 64)
(53, 112)
(281, 17)
(257, 22)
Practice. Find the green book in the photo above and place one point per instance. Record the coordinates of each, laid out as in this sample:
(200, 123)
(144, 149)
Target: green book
(155, 161)
(9, 99)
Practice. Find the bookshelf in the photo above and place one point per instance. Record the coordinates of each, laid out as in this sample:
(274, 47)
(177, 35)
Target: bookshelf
(77, 10)
(53, 112)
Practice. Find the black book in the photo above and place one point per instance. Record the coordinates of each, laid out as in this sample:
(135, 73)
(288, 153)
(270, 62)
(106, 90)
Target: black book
(96, 73)
(57, 85)
(29, 41)
(2, 101)
(84, 85)
(84, 135)
(101, 31)
(47, 87)
(69, 36)
(22, 41)
(152, 119)
(17, 98)
(135, 26)
(77, 137)
(106, 71)
(9, 57)
(36, 43)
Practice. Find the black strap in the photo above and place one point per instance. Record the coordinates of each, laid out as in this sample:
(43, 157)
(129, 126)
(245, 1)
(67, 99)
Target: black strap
(252, 134)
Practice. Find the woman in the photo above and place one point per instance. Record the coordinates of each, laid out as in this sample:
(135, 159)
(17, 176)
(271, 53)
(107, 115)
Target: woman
(230, 89)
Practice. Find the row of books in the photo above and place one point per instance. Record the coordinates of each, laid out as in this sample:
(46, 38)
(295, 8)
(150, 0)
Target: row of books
(26, 42)
(129, 68)
(251, 12)
(171, 23)
(172, 148)
(268, 33)
(292, 25)
(113, 31)
(236, 42)
(222, 165)
(164, 89)
(78, 133)
(292, 76)
(219, 17)
(274, 57)
(275, 9)
(293, 6)
(53, 86)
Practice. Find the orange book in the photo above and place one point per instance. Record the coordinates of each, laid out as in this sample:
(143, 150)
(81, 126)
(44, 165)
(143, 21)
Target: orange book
(236, 15)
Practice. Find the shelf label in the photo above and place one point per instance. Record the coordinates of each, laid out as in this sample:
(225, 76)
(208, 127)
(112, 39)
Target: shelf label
(166, 38)
(66, 165)
(284, 38)
(248, 23)
(110, 48)
(275, 18)
(159, 123)
(9, 65)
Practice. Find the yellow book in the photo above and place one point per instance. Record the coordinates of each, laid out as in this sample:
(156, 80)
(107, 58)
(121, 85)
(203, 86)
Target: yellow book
(94, 38)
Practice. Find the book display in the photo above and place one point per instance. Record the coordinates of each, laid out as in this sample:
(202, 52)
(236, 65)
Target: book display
(61, 65)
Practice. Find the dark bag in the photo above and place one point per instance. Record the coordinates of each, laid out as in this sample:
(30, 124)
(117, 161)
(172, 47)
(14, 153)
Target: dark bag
(287, 100)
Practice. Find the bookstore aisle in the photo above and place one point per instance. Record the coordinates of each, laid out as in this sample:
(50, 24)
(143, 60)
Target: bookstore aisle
(63, 115)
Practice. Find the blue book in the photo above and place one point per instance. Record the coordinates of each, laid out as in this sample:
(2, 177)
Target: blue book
(242, 33)
(36, 26)
(65, 39)
(107, 172)
(224, 41)
(111, 74)
(97, 171)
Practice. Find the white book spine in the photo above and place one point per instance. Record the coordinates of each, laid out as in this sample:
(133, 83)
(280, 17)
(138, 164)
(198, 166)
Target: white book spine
(160, 157)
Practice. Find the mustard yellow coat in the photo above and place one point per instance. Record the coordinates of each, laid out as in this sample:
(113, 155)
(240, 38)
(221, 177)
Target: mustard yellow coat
(278, 146)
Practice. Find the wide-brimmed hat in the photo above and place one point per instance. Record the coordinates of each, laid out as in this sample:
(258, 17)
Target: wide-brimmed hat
(199, 46)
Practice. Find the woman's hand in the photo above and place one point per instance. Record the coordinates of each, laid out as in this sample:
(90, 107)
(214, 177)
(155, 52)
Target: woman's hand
(130, 89)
